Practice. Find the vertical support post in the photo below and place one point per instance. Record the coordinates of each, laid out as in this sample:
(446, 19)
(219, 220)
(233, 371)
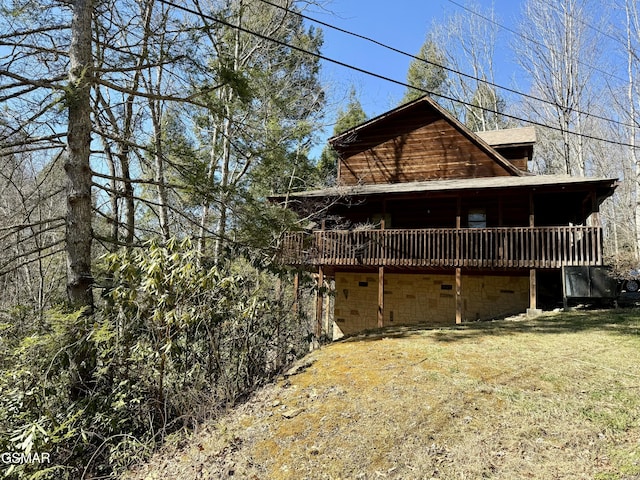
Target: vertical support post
(458, 295)
(532, 216)
(328, 311)
(458, 269)
(533, 274)
(565, 301)
(320, 286)
(381, 296)
(533, 299)
(319, 302)
(598, 246)
(595, 210)
(381, 278)
(296, 293)
(533, 285)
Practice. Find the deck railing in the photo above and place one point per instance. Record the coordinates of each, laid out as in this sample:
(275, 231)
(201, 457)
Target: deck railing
(504, 247)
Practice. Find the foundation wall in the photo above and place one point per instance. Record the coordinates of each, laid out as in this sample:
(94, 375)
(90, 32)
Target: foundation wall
(429, 299)
(493, 296)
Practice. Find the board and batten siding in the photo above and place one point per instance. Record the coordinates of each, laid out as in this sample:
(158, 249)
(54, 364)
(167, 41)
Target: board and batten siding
(434, 151)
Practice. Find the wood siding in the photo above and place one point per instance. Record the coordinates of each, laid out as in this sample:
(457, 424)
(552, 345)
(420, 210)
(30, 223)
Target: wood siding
(420, 148)
(519, 156)
(506, 247)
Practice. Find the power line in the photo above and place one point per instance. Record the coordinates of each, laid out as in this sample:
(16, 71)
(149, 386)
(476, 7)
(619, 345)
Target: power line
(452, 70)
(588, 25)
(385, 78)
(529, 39)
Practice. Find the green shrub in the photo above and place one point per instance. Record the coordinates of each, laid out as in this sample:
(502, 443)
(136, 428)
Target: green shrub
(169, 341)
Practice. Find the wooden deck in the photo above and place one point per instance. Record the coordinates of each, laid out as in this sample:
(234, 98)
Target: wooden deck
(505, 247)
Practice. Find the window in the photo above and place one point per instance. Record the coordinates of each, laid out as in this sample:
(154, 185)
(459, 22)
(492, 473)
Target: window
(377, 220)
(477, 218)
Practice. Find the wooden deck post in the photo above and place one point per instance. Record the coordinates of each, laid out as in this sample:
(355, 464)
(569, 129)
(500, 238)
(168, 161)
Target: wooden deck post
(458, 295)
(533, 299)
(320, 288)
(532, 215)
(296, 293)
(595, 210)
(328, 311)
(458, 269)
(533, 284)
(381, 281)
(319, 302)
(380, 296)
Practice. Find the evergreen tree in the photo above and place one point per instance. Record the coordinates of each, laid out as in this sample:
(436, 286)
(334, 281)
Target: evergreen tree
(426, 73)
(260, 124)
(352, 116)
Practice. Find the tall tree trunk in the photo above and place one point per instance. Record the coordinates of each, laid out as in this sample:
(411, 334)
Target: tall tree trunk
(159, 164)
(221, 228)
(565, 125)
(113, 197)
(213, 166)
(156, 108)
(225, 181)
(129, 203)
(632, 118)
(77, 168)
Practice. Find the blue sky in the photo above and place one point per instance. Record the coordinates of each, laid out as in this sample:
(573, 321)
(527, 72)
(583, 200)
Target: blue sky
(402, 24)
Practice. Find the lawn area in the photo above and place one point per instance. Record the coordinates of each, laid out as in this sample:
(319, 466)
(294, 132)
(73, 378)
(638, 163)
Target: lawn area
(555, 397)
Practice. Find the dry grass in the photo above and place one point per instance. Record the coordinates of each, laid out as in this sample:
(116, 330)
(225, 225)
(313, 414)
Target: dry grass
(557, 397)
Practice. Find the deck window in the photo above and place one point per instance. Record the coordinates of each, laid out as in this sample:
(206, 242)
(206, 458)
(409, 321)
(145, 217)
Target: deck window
(477, 218)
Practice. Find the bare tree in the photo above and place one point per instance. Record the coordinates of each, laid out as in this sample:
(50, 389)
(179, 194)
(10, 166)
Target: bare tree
(628, 105)
(557, 51)
(77, 167)
(469, 41)
(32, 219)
(95, 84)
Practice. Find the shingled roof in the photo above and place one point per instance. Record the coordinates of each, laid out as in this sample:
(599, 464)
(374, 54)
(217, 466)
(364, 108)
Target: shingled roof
(509, 136)
(485, 183)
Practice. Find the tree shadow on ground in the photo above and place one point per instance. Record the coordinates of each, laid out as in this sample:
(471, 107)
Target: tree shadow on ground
(619, 321)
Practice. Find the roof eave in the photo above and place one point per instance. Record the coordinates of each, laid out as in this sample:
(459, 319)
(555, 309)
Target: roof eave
(485, 183)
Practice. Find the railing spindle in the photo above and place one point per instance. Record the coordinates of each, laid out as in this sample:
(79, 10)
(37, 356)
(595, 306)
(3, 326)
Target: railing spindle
(515, 247)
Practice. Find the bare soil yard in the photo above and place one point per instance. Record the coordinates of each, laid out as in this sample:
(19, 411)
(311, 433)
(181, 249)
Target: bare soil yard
(556, 397)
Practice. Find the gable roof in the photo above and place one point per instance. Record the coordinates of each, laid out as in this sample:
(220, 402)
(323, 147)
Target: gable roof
(360, 138)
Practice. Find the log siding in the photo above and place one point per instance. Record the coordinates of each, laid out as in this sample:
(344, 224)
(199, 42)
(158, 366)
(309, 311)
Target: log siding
(433, 152)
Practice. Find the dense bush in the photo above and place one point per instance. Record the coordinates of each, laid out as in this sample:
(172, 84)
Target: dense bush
(170, 341)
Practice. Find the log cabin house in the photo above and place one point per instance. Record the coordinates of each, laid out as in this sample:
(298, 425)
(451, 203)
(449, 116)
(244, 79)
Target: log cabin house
(431, 223)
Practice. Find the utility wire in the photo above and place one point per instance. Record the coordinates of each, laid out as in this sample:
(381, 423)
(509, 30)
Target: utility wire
(452, 70)
(385, 78)
(588, 25)
(529, 39)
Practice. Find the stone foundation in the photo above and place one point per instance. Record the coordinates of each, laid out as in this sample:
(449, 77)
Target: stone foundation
(411, 299)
